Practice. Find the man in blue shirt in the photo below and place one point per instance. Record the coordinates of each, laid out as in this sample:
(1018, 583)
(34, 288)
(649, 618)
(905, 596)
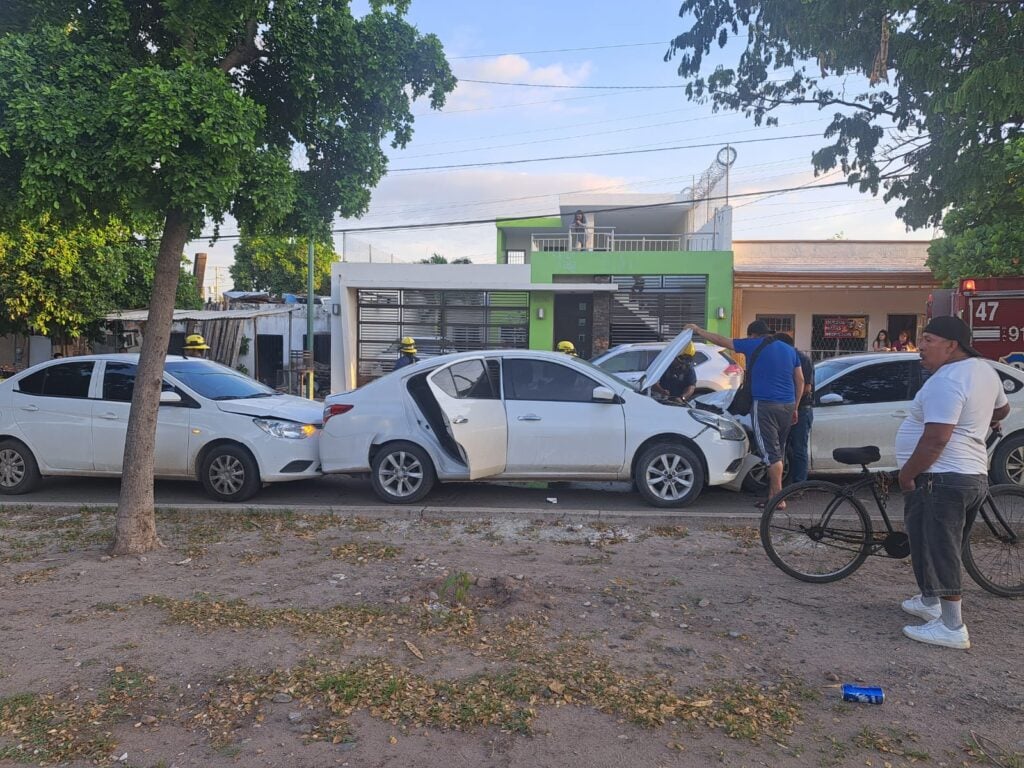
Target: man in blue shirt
(775, 380)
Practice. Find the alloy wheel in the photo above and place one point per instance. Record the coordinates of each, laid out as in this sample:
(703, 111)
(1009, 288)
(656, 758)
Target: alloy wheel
(669, 477)
(12, 468)
(1015, 465)
(227, 474)
(401, 474)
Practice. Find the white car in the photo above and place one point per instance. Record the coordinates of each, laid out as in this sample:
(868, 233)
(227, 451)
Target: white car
(862, 399)
(70, 417)
(526, 415)
(715, 367)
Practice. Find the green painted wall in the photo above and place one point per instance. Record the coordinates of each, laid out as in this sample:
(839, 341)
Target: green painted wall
(717, 265)
(538, 222)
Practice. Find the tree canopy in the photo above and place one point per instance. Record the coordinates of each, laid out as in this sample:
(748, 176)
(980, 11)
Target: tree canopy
(926, 93)
(60, 282)
(182, 112)
(278, 265)
(437, 258)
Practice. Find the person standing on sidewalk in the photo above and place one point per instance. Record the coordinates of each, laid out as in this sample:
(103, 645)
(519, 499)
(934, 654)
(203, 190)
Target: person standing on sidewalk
(775, 380)
(940, 449)
(800, 434)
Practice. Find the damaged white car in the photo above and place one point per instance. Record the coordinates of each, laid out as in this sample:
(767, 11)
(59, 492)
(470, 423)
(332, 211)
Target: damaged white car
(526, 415)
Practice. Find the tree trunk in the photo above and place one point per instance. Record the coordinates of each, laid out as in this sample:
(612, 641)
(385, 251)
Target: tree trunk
(135, 529)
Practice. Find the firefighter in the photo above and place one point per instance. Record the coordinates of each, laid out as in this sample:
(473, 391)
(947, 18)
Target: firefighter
(566, 348)
(680, 380)
(407, 353)
(195, 346)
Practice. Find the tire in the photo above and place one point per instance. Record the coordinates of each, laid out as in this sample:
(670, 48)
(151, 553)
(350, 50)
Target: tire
(1008, 461)
(756, 480)
(402, 473)
(995, 558)
(797, 542)
(229, 473)
(669, 475)
(19, 472)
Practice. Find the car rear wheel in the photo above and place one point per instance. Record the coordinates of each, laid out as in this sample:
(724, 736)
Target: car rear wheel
(19, 472)
(402, 473)
(669, 475)
(1008, 461)
(229, 473)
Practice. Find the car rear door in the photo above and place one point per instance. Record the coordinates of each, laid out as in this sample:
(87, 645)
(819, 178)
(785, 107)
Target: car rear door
(54, 412)
(876, 399)
(469, 394)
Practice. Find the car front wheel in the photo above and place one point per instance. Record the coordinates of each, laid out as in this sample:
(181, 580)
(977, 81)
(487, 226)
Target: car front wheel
(229, 473)
(1008, 461)
(402, 473)
(669, 475)
(19, 472)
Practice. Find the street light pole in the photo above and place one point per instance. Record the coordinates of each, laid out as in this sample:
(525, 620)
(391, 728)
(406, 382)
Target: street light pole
(309, 312)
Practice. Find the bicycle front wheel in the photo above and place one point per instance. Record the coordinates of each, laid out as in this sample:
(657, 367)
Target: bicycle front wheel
(993, 554)
(814, 531)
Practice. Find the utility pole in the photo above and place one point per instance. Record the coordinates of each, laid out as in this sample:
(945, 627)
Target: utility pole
(309, 311)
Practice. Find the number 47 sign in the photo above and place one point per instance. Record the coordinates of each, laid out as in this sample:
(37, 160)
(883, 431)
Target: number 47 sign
(985, 311)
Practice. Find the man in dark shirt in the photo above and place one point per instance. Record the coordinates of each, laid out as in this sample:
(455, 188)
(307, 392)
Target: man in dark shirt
(680, 380)
(800, 433)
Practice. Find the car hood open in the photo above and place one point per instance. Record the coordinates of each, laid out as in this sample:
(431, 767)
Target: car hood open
(661, 363)
(287, 407)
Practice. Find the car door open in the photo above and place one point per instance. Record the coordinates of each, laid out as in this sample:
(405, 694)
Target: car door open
(469, 395)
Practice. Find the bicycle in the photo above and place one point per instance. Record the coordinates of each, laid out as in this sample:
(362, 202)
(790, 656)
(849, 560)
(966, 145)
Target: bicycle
(820, 532)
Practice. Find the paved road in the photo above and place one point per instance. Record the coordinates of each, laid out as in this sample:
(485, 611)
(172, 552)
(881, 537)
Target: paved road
(355, 496)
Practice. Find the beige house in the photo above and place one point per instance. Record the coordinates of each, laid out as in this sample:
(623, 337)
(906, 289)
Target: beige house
(833, 296)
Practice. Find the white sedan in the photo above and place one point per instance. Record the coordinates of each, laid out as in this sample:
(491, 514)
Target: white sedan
(715, 368)
(862, 399)
(70, 417)
(526, 415)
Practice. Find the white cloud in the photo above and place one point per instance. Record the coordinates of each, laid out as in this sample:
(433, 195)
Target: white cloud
(508, 69)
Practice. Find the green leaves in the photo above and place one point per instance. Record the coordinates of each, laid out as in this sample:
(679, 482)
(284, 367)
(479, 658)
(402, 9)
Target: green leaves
(278, 265)
(928, 135)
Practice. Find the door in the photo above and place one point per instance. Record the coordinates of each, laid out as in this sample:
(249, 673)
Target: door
(53, 409)
(269, 358)
(875, 400)
(555, 429)
(469, 395)
(574, 318)
(110, 425)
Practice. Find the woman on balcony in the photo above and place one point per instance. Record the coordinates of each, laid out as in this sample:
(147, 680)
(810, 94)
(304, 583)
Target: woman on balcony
(579, 231)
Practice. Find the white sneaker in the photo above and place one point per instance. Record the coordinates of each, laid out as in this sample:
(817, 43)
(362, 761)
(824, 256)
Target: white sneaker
(915, 607)
(937, 633)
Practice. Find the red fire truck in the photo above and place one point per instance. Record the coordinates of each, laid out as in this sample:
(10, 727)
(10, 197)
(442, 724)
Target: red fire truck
(993, 307)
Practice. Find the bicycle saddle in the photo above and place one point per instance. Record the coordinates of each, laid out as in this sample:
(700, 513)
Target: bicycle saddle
(867, 454)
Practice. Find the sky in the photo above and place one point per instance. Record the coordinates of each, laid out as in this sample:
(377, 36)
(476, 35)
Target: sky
(570, 43)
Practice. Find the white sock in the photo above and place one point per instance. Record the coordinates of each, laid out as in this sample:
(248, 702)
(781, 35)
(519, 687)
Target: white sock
(951, 615)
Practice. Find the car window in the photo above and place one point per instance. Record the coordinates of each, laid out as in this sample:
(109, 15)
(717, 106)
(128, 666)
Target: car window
(544, 380)
(879, 383)
(825, 369)
(627, 361)
(467, 380)
(64, 380)
(728, 358)
(119, 382)
(700, 358)
(217, 382)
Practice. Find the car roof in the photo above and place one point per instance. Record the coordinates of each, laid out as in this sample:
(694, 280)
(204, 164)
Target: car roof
(126, 357)
(875, 357)
(658, 345)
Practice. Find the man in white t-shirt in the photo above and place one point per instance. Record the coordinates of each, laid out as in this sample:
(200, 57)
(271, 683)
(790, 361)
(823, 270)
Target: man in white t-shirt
(940, 449)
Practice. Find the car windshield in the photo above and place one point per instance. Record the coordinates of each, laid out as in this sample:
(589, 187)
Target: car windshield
(603, 372)
(826, 369)
(217, 382)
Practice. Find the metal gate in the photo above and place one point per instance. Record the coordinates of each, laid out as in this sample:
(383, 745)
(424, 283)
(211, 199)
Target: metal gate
(656, 307)
(439, 321)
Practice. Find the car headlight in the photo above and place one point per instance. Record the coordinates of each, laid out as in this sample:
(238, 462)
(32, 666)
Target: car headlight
(727, 428)
(290, 429)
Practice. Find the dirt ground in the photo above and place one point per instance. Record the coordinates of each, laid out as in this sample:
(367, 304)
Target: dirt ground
(281, 639)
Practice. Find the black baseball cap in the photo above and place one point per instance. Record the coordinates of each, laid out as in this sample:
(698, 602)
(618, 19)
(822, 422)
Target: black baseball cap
(954, 329)
(758, 328)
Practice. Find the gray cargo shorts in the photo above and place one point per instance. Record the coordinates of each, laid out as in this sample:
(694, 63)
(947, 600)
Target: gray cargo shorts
(772, 422)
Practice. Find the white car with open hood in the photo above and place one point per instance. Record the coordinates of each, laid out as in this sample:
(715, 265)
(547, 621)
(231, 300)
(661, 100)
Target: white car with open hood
(526, 415)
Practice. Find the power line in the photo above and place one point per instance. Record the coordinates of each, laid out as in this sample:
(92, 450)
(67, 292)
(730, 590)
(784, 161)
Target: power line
(578, 87)
(613, 153)
(556, 50)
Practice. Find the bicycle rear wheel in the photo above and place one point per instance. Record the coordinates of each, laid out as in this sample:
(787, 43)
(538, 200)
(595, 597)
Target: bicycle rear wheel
(993, 554)
(821, 535)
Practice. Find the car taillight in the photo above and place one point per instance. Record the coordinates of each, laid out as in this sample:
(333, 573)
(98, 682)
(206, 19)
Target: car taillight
(336, 410)
(733, 370)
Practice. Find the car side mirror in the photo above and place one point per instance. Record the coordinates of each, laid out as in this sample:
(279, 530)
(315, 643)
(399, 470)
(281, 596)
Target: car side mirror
(602, 395)
(831, 399)
(169, 397)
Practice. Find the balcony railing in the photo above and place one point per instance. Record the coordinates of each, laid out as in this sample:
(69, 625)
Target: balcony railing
(605, 239)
